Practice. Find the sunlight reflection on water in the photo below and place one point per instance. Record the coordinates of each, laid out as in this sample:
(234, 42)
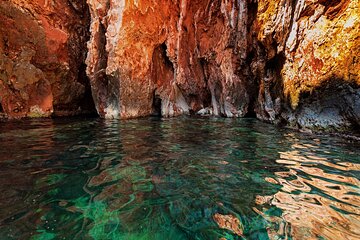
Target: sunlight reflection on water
(314, 202)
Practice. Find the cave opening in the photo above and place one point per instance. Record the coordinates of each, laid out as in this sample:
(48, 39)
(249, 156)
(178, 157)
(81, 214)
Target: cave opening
(162, 74)
(82, 104)
(1, 108)
(274, 66)
(86, 103)
(251, 113)
(156, 105)
(334, 103)
(207, 97)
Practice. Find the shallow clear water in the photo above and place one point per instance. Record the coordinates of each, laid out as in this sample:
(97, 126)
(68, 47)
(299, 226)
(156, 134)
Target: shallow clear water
(180, 178)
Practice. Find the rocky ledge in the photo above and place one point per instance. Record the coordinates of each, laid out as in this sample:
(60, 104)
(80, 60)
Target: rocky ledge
(295, 62)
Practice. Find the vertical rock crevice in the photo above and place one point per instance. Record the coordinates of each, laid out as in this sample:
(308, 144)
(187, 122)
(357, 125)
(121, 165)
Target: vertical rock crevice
(99, 79)
(268, 104)
(225, 58)
(77, 45)
(105, 26)
(162, 76)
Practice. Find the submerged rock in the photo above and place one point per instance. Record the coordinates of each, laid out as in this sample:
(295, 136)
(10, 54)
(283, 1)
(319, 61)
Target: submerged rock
(229, 222)
(42, 52)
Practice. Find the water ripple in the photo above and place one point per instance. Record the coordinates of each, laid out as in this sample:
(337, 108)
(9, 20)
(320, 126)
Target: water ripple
(184, 178)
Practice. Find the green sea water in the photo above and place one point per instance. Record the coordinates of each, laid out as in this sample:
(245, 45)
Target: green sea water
(181, 178)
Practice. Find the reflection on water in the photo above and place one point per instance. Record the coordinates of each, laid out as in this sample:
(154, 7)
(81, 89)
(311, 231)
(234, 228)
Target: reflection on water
(319, 196)
(178, 178)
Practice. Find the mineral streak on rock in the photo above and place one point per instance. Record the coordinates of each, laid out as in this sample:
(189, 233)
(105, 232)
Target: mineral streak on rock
(317, 45)
(226, 58)
(188, 55)
(42, 51)
(281, 60)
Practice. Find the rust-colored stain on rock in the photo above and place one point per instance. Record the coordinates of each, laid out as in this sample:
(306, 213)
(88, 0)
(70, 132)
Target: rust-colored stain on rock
(274, 59)
(42, 48)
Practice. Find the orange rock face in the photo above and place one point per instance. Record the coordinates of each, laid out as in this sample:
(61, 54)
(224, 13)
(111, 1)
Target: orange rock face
(42, 50)
(283, 61)
(172, 57)
(227, 58)
(312, 50)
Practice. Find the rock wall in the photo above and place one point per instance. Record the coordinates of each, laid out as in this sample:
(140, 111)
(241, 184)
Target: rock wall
(316, 44)
(283, 59)
(42, 53)
(172, 57)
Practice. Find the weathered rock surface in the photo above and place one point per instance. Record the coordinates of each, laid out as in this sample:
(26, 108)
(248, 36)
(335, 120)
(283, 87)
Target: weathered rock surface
(316, 44)
(229, 58)
(42, 52)
(180, 56)
(283, 60)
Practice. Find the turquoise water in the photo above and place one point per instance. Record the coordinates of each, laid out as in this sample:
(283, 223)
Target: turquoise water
(183, 178)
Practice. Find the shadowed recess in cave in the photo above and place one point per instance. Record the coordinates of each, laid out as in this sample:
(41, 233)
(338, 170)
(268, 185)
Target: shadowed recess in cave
(335, 104)
(156, 106)
(162, 74)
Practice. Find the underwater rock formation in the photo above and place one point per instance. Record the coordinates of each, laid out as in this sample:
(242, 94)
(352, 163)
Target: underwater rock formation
(227, 58)
(42, 53)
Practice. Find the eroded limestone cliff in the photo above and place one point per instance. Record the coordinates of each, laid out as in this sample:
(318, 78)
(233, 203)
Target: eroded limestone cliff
(291, 60)
(42, 53)
(172, 57)
(316, 46)
(283, 61)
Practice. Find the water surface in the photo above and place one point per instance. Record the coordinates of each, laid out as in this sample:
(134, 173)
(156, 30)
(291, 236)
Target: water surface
(183, 178)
